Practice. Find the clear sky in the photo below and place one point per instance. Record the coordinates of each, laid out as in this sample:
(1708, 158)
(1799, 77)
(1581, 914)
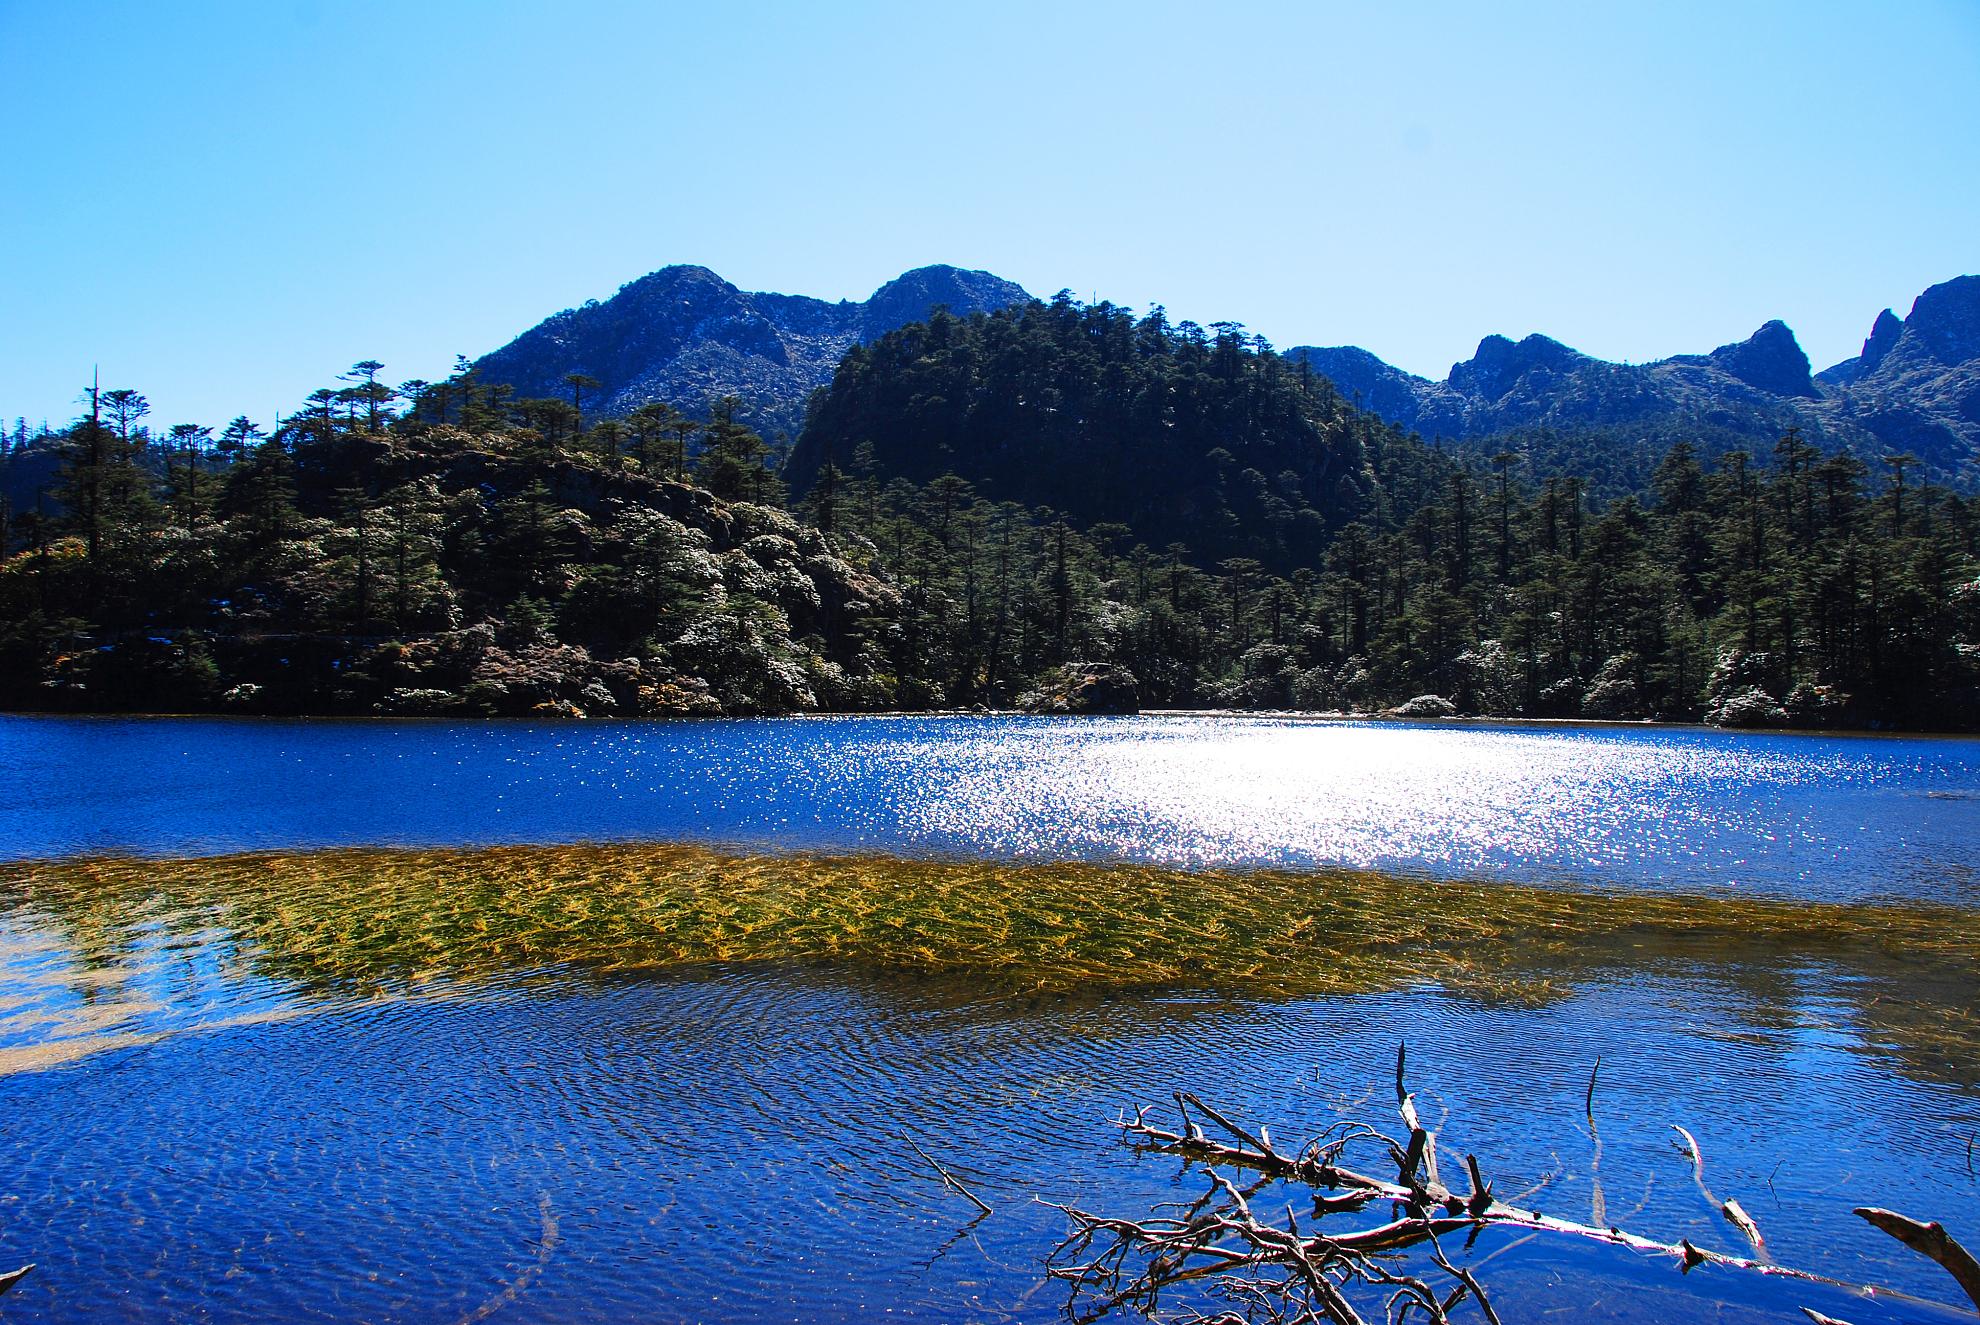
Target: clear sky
(225, 205)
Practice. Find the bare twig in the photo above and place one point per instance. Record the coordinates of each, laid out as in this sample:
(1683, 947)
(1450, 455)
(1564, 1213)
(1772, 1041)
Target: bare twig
(951, 1181)
(1598, 1212)
(1735, 1214)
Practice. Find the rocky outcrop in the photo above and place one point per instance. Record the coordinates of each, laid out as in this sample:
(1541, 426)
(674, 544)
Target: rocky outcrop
(1770, 360)
(1500, 367)
(1944, 325)
(1916, 385)
(1883, 336)
(684, 336)
(1423, 706)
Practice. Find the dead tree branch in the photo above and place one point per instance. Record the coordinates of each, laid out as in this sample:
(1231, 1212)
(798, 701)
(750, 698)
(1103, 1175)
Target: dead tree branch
(1331, 1273)
(1930, 1240)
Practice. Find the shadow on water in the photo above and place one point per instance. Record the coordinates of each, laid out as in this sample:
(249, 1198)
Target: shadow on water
(663, 1082)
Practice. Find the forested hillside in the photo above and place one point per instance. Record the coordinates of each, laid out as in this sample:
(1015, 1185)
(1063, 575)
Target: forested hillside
(1180, 434)
(1792, 586)
(1059, 507)
(456, 559)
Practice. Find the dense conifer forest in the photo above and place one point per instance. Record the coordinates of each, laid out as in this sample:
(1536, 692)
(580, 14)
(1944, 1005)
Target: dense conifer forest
(1000, 510)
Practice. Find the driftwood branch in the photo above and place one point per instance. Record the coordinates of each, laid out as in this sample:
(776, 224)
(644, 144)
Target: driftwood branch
(1930, 1240)
(1332, 1273)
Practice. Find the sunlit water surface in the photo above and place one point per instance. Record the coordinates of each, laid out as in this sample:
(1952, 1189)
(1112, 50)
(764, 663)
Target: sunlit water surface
(1808, 816)
(190, 1130)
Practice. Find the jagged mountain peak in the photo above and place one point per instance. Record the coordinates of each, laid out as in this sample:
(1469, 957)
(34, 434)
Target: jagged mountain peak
(1945, 320)
(1771, 359)
(1500, 364)
(1883, 338)
(1883, 334)
(684, 335)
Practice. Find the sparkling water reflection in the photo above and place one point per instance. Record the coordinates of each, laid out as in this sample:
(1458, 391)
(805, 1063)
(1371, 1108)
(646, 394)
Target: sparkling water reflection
(1810, 816)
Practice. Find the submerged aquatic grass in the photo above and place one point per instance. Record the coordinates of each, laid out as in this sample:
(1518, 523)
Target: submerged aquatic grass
(368, 920)
(341, 926)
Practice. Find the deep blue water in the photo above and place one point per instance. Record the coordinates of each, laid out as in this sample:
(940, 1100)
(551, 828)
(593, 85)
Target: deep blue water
(215, 1142)
(1842, 817)
(732, 1147)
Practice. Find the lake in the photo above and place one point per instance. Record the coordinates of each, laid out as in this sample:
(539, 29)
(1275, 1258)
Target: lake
(1840, 818)
(502, 1083)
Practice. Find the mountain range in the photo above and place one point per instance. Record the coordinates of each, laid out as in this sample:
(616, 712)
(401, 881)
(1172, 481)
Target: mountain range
(684, 335)
(1914, 387)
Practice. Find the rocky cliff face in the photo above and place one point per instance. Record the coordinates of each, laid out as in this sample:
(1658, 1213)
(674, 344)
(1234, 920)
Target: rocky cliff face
(1769, 360)
(683, 335)
(1883, 336)
(1501, 368)
(1915, 387)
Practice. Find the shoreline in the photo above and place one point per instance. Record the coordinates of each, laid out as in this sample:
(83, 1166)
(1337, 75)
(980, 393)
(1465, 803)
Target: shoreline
(1314, 716)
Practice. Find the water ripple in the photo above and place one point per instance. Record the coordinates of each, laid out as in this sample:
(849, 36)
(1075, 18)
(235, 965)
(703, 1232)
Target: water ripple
(731, 1147)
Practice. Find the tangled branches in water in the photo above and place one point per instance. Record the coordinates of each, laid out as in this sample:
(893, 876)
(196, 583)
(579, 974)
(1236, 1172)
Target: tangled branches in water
(1278, 1272)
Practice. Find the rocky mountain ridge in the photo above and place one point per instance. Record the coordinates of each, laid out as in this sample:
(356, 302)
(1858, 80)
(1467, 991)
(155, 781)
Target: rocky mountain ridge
(1914, 387)
(683, 335)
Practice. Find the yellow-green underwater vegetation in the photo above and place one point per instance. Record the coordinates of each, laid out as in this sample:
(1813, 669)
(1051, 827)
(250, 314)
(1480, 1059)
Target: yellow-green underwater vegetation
(371, 923)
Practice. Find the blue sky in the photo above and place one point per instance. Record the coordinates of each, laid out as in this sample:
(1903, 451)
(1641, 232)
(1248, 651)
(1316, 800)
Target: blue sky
(227, 204)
